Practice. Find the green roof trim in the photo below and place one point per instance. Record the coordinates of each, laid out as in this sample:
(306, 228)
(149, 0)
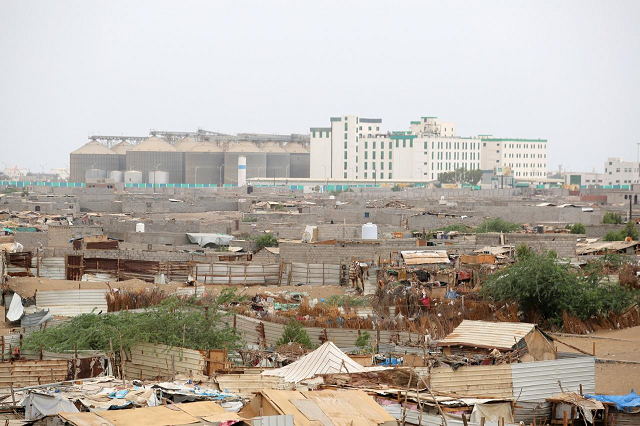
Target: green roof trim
(416, 122)
(336, 118)
(403, 137)
(514, 140)
(321, 129)
(425, 118)
(371, 120)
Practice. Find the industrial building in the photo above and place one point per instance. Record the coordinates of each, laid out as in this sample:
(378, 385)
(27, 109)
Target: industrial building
(200, 157)
(359, 148)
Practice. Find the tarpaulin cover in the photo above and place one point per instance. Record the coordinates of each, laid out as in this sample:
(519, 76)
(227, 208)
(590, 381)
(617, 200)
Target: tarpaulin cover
(15, 308)
(623, 402)
(37, 406)
(492, 411)
(204, 239)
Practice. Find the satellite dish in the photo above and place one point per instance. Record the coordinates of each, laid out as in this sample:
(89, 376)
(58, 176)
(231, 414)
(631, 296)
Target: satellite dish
(306, 237)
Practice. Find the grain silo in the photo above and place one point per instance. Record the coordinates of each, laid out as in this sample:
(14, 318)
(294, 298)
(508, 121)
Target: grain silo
(277, 160)
(155, 154)
(92, 156)
(203, 164)
(256, 161)
(185, 144)
(299, 159)
(121, 149)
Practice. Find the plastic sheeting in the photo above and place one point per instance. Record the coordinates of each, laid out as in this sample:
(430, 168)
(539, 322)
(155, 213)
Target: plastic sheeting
(629, 403)
(492, 411)
(15, 308)
(37, 406)
(203, 239)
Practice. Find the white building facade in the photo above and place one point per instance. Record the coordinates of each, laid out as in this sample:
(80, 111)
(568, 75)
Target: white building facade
(359, 148)
(617, 173)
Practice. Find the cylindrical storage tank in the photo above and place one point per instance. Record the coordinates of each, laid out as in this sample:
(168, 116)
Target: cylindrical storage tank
(256, 161)
(242, 171)
(156, 154)
(158, 177)
(116, 176)
(95, 174)
(369, 231)
(93, 155)
(140, 227)
(133, 176)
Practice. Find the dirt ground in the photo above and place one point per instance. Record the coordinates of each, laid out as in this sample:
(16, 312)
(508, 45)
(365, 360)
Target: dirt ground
(619, 345)
(314, 291)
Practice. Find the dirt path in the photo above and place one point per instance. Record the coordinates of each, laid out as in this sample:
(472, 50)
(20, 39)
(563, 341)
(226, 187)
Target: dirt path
(621, 345)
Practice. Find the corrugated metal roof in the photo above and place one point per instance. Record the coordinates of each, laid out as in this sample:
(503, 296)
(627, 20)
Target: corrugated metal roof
(326, 359)
(154, 144)
(206, 147)
(72, 302)
(150, 361)
(186, 144)
(535, 381)
(93, 147)
(489, 335)
(122, 148)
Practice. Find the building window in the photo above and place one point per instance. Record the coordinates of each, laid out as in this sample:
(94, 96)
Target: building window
(404, 143)
(345, 136)
(365, 155)
(345, 155)
(345, 165)
(346, 126)
(425, 145)
(314, 134)
(365, 175)
(377, 129)
(369, 128)
(374, 144)
(365, 167)
(366, 144)
(345, 175)
(381, 145)
(382, 155)
(390, 155)
(390, 165)
(397, 143)
(373, 155)
(411, 143)
(381, 165)
(345, 144)
(389, 175)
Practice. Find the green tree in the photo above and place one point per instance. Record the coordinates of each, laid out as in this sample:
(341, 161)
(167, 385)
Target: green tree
(461, 175)
(545, 288)
(362, 342)
(294, 332)
(613, 236)
(612, 218)
(497, 225)
(266, 240)
(523, 252)
(396, 188)
(578, 228)
(630, 230)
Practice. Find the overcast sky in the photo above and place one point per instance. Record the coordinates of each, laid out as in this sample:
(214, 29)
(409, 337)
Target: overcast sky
(565, 71)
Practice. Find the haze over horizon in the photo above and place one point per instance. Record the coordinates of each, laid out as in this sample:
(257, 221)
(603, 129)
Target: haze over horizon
(561, 71)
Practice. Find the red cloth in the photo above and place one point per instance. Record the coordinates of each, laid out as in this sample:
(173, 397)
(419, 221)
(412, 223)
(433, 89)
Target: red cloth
(464, 275)
(426, 302)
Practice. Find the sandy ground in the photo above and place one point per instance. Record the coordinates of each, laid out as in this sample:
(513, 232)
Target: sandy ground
(620, 345)
(315, 291)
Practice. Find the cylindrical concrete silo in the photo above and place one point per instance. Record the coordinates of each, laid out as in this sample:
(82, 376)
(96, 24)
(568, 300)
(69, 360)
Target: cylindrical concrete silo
(116, 176)
(121, 150)
(154, 154)
(93, 155)
(93, 174)
(158, 177)
(256, 161)
(299, 160)
(204, 163)
(278, 164)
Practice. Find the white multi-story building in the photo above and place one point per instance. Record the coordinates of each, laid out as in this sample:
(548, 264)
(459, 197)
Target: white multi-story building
(358, 148)
(617, 173)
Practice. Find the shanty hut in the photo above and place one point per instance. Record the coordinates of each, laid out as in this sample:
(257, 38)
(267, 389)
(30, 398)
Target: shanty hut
(523, 341)
(92, 156)
(121, 149)
(155, 154)
(299, 159)
(277, 160)
(256, 161)
(203, 164)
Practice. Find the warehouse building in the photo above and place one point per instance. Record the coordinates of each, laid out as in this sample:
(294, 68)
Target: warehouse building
(93, 160)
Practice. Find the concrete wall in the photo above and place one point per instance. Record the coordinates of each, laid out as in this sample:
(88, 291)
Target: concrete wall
(32, 240)
(563, 244)
(342, 252)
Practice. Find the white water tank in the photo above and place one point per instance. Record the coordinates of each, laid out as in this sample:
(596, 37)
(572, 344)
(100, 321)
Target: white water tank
(242, 171)
(133, 176)
(369, 231)
(95, 174)
(116, 176)
(158, 177)
(139, 227)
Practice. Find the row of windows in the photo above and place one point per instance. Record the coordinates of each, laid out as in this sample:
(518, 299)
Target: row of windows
(320, 133)
(454, 166)
(626, 170)
(455, 145)
(525, 165)
(456, 156)
(523, 145)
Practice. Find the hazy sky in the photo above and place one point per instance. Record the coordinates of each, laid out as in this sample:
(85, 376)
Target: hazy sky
(565, 71)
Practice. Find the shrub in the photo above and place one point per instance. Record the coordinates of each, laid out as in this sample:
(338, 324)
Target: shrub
(629, 230)
(294, 332)
(362, 342)
(396, 188)
(457, 227)
(612, 218)
(523, 252)
(249, 219)
(578, 228)
(497, 225)
(544, 288)
(266, 240)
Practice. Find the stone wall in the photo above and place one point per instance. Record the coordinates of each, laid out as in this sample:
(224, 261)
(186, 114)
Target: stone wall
(31, 240)
(343, 251)
(563, 244)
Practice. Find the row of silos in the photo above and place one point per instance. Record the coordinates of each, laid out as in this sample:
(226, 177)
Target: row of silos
(188, 161)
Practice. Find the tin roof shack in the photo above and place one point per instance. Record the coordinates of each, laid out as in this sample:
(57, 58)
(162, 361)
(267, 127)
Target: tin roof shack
(571, 408)
(601, 248)
(319, 407)
(523, 341)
